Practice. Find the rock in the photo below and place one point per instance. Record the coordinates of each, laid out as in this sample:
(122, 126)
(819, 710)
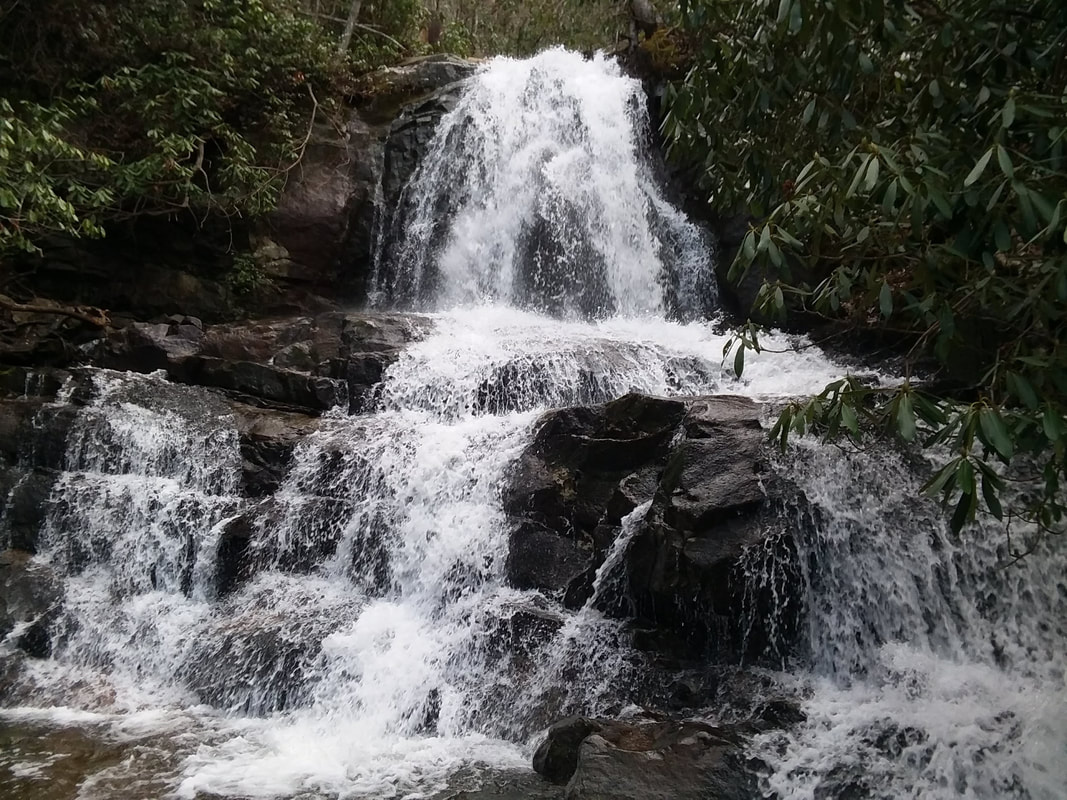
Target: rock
(281, 388)
(699, 464)
(574, 466)
(249, 658)
(254, 541)
(556, 758)
(29, 598)
(615, 760)
(390, 88)
(268, 438)
(306, 364)
(324, 223)
(24, 507)
(538, 558)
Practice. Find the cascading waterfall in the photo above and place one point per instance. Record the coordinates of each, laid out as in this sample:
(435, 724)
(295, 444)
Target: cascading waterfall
(537, 192)
(378, 652)
(937, 670)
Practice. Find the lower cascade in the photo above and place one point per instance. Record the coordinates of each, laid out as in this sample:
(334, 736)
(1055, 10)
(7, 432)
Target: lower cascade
(552, 508)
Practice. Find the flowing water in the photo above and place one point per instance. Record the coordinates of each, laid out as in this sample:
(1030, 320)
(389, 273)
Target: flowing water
(378, 651)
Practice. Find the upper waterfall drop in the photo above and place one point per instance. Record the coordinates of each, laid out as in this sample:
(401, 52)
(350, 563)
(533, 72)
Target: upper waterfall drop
(538, 191)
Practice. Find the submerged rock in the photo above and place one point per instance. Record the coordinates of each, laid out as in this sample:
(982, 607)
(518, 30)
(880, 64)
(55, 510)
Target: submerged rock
(29, 596)
(602, 759)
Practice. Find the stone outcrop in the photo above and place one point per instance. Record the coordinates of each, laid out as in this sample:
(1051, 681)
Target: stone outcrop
(699, 465)
(602, 759)
(305, 364)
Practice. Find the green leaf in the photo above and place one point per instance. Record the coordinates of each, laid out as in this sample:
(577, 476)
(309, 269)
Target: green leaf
(996, 433)
(1008, 114)
(1052, 424)
(992, 502)
(1023, 389)
(1005, 162)
(979, 168)
(965, 476)
(849, 420)
(872, 175)
(739, 360)
(964, 511)
(943, 478)
(885, 300)
(889, 201)
(906, 418)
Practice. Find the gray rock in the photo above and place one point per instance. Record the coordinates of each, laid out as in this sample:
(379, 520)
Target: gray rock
(29, 597)
(308, 364)
(601, 759)
(538, 558)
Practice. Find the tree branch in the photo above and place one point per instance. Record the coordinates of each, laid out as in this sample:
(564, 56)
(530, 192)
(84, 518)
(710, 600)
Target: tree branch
(100, 320)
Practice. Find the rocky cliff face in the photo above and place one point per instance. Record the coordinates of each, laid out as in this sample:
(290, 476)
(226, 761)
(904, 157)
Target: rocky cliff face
(312, 254)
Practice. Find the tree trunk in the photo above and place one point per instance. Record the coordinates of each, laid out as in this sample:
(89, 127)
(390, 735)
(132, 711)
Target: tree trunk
(350, 26)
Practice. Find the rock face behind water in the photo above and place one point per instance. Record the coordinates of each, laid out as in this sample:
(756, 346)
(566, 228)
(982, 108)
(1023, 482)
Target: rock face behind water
(698, 462)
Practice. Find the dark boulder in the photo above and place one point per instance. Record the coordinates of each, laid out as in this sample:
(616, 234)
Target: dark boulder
(616, 760)
(268, 438)
(538, 558)
(30, 596)
(712, 511)
(572, 470)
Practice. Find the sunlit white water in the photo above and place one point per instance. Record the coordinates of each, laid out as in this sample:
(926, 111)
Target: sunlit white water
(537, 192)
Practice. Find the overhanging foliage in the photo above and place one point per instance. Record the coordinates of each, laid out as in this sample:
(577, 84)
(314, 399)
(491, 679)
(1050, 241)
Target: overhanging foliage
(903, 164)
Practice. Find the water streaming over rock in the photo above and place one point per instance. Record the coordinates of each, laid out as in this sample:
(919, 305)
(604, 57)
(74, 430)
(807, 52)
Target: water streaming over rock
(538, 192)
(937, 668)
(353, 634)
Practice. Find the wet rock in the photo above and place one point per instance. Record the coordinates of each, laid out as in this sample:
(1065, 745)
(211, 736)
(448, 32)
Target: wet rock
(29, 598)
(25, 501)
(699, 463)
(256, 654)
(261, 539)
(33, 432)
(522, 630)
(556, 758)
(617, 760)
(538, 558)
(579, 456)
(268, 438)
(308, 364)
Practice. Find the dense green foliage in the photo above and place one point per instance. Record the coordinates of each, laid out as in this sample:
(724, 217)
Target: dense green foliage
(904, 164)
(111, 109)
(125, 108)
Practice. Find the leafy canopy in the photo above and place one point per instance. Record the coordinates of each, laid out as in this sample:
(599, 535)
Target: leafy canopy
(113, 109)
(903, 163)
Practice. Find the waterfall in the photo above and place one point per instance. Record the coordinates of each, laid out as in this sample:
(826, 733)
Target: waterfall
(377, 651)
(937, 668)
(537, 192)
